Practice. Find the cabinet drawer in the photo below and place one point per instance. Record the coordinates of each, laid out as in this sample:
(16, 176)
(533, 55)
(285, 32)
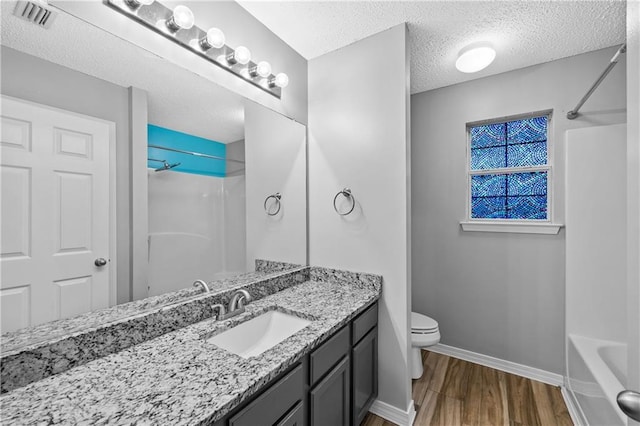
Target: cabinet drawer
(328, 354)
(274, 403)
(365, 322)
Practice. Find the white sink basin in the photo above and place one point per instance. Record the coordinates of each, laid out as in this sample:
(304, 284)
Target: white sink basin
(255, 336)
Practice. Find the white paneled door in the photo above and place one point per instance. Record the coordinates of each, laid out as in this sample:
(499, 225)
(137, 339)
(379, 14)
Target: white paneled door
(55, 214)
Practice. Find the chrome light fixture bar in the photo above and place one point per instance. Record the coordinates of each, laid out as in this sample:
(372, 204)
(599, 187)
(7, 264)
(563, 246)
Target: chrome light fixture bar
(178, 26)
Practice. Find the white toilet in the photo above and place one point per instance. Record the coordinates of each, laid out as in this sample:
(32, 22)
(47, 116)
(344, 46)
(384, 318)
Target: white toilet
(424, 333)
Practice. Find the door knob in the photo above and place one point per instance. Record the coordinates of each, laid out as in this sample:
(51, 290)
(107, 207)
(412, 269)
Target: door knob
(629, 403)
(101, 261)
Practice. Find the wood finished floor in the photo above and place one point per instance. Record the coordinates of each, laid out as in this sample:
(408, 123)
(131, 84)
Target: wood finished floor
(454, 392)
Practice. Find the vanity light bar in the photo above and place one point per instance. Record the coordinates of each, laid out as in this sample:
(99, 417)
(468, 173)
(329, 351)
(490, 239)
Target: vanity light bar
(182, 31)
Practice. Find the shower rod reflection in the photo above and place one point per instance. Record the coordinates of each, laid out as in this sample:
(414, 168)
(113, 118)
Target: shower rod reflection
(612, 63)
(165, 165)
(197, 154)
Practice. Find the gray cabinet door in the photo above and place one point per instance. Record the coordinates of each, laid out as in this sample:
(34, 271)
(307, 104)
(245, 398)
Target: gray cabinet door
(330, 399)
(365, 375)
(295, 417)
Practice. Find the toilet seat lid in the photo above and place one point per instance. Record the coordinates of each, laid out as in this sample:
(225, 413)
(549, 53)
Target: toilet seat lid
(422, 322)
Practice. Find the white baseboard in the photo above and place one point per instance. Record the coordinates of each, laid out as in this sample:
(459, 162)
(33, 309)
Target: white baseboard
(393, 414)
(500, 364)
(572, 406)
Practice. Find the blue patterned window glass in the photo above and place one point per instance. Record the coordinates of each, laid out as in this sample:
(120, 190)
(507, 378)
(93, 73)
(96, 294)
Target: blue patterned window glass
(488, 196)
(509, 196)
(505, 194)
(518, 143)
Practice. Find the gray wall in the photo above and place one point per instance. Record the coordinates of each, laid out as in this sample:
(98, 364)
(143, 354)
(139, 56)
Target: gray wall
(358, 138)
(27, 77)
(498, 294)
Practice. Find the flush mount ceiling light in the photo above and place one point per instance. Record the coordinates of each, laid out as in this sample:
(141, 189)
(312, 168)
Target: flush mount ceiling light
(475, 57)
(179, 26)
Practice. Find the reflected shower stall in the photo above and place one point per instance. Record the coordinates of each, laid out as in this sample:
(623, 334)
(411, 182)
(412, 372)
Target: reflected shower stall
(196, 211)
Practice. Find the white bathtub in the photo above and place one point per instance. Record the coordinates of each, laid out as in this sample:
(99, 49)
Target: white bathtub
(597, 373)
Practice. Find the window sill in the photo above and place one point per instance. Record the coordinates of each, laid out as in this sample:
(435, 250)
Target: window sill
(518, 228)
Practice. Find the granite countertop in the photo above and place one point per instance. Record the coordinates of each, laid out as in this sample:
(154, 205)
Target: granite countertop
(35, 353)
(179, 378)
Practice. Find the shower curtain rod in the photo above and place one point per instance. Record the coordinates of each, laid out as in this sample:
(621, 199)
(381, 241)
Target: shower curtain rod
(197, 154)
(574, 112)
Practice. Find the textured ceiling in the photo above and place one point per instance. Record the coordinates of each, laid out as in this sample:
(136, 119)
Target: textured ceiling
(524, 32)
(178, 99)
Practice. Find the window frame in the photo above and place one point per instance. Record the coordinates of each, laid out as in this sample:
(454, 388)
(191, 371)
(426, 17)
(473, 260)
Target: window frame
(545, 226)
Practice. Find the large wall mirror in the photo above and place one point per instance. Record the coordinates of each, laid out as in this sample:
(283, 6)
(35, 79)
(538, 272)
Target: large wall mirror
(215, 164)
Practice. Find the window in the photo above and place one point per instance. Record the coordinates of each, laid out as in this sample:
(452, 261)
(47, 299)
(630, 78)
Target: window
(509, 170)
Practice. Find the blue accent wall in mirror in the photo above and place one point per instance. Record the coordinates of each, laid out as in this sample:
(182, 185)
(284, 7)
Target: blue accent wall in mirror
(167, 138)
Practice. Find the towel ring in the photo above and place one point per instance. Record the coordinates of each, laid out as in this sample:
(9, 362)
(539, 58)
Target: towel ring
(277, 198)
(347, 193)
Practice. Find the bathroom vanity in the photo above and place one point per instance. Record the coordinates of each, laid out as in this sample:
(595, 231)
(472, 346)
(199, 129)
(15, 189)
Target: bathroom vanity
(335, 384)
(325, 373)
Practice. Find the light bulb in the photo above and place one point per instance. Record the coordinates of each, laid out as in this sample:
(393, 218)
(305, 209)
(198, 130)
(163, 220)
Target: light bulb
(214, 38)
(182, 18)
(134, 4)
(282, 80)
(263, 69)
(475, 57)
(242, 55)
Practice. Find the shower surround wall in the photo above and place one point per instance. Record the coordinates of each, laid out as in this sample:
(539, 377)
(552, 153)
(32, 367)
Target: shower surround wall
(596, 271)
(498, 294)
(193, 229)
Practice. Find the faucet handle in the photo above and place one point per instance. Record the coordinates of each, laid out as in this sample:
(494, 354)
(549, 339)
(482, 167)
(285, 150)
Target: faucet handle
(241, 301)
(245, 298)
(221, 311)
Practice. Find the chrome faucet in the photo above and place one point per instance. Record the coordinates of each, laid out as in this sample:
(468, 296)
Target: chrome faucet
(238, 300)
(200, 283)
(236, 305)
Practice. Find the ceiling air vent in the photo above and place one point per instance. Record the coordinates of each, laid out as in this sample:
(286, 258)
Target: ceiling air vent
(35, 12)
